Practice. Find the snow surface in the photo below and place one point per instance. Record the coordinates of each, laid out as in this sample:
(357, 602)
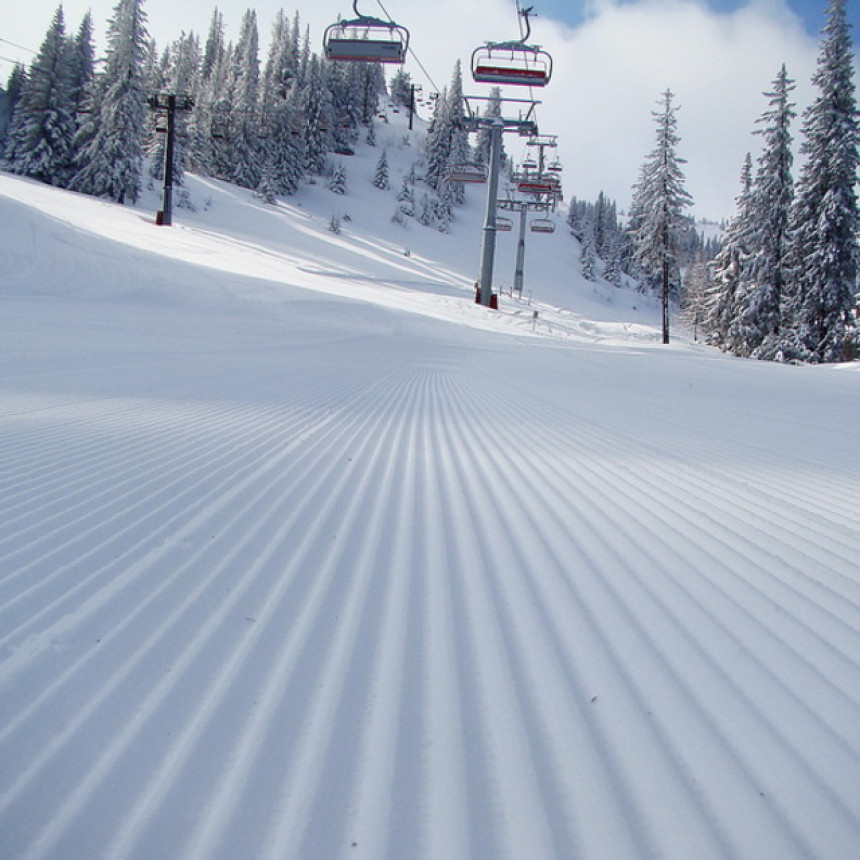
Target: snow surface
(304, 555)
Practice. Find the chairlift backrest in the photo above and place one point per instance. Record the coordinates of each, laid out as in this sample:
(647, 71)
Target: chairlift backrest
(504, 224)
(366, 40)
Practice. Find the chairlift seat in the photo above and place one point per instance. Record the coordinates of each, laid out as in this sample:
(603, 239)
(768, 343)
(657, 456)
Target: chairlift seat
(504, 225)
(542, 225)
(511, 63)
(366, 40)
(537, 186)
(474, 173)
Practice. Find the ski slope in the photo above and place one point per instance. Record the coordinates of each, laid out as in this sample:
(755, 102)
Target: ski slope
(304, 555)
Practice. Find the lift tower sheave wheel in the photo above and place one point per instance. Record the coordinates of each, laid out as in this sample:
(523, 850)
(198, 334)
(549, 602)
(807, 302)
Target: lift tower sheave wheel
(366, 40)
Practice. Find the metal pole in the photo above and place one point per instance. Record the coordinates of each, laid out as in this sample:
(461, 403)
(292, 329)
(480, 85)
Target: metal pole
(521, 253)
(488, 244)
(167, 203)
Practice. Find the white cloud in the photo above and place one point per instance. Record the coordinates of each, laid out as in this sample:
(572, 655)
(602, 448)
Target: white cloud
(609, 72)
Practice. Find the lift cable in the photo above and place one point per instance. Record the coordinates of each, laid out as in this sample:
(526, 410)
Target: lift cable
(20, 47)
(411, 50)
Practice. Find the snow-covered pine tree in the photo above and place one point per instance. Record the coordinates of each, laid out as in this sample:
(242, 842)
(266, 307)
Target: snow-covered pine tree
(406, 198)
(345, 83)
(82, 61)
(371, 84)
(9, 100)
(43, 125)
(426, 214)
(731, 266)
(696, 286)
(111, 161)
(281, 64)
(613, 270)
(437, 142)
(245, 153)
(443, 208)
(825, 218)
(380, 176)
(492, 109)
(400, 88)
(587, 251)
(282, 152)
(757, 315)
(316, 113)
(205, 122)
(337, 182)
(659, 199)
(266, 189)
(458, 148)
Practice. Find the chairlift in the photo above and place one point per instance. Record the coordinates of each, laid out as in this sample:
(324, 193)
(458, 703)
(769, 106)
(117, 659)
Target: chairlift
(366, 40)
(542, 225)
(504, 225)
(530, 164)
(555, 167)
(468, 172)
(514, 62)
(540, 184)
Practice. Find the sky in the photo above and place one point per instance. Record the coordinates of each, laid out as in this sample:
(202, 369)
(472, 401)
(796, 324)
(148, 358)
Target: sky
(612, 61)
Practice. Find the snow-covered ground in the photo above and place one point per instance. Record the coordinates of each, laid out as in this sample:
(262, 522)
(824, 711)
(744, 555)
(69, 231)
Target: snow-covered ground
(304, 555)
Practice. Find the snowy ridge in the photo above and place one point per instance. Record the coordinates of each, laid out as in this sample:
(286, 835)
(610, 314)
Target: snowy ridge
(304, 555)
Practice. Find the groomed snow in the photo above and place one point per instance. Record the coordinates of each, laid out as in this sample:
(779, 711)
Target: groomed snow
(304, 555)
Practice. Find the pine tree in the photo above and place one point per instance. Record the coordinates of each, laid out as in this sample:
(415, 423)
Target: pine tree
(380, 176)
(43, 125)
(587, 251)
(437, 142)
(659, 200)
(458, 147)
(82, 68)
(266, 188)
(111, 161)
(696, 287)
(406, 198)
(9, 101)
(245, 86)
(317, 115)
(731, 266)
(493, 109)
(337, 182)
(282, 63)
(754, 330)
(401, 88)
(613, 271)
(825, 218)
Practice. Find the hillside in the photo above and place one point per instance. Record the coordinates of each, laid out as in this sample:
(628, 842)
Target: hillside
(304, 555)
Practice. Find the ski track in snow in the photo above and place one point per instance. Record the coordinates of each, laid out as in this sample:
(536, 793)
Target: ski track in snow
(260, 601)
(350, 615)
